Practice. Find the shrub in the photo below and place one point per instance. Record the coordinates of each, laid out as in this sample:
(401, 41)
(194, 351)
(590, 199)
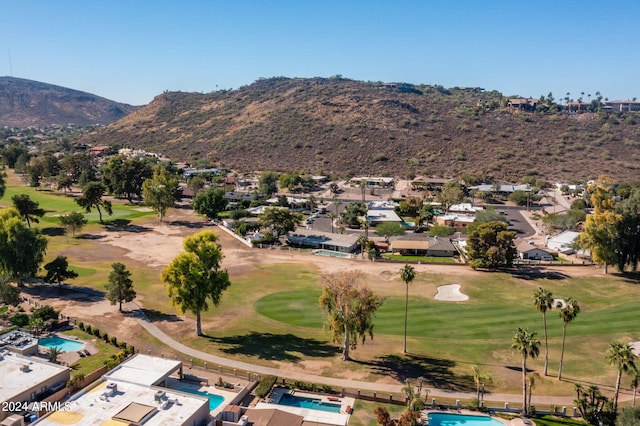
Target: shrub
(265, 385)
(81, 325)
(88, 329)
(105, 337)
(19, 320)
(114, 342)
(96, 332)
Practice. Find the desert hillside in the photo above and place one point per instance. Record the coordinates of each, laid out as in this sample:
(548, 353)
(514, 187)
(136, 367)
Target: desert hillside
(344, 127)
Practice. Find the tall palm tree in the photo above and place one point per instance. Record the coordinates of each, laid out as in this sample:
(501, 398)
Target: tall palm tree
(525, 342)
(621, 356)
(362, 240)
(480, 378)
(331, 217)
(532, 385)
(635, 379)
(568, 312)
(543, 300)
(407, 274)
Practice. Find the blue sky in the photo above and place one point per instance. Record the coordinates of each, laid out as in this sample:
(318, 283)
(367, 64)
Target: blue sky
(130, 51)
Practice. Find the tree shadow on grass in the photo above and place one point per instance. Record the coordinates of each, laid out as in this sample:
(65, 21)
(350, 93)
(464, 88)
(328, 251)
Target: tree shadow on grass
(436, 371)
(534, 273)
(275, 347)
(629, 277)
(53, 231)
(188, 224)
(155, 315)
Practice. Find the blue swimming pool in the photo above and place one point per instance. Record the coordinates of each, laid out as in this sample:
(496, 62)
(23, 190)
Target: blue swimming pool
(332, 253)
(311, 403)
(65, 345)
(449, 419)
(214, 400)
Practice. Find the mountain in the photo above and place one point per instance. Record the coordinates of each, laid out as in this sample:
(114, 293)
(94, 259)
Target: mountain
(26, 103)
(344, 127)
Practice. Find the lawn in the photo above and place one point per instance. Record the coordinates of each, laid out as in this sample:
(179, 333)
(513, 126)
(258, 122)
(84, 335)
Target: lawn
(425, 259)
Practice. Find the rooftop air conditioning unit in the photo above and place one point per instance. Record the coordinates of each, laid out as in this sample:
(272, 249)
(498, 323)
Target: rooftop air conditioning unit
(159, 395)
(112, 388)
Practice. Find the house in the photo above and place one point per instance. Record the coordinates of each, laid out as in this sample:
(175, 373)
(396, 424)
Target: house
(424, 183)
(623, 106)
(526, 250)
(455, 221)
(421, 246)
(464, 208)
(345, 243)
(501, 189)
(373, 182)
(272, 417)
(524, 104)
(563, 242)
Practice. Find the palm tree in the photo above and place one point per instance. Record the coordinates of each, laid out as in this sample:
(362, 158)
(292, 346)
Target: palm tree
(621, 356)
(568, 312)
(525, 342)
(480, 378)
(331, 217)
(543, 300)
(635, 379)
(53, 354)
(362, 240)
(532, 385)
(407, 274)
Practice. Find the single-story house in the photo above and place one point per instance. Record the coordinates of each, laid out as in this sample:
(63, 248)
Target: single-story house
(421, 183)
(376, 217)
(431, 246)
(504, 189)
(563, 242)
(345, 243)
(526, 250)
(464, 208)
(455, 221)
(375, 182)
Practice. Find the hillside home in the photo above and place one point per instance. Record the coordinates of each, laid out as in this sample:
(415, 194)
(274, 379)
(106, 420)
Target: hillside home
(622, 106)
(523, 104)
(373, 182)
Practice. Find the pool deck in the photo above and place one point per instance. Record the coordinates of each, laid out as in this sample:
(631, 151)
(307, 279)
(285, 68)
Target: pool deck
(310, 415)
(229, 397)
(68, 358)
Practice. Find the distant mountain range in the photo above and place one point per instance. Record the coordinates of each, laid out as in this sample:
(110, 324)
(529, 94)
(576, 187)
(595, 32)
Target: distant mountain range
(26, 103)
(344, 127)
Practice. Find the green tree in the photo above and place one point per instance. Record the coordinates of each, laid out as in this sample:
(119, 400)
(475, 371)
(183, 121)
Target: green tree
(159, 191)
(27, 208)
(64, 183)
(569, 310)
(268, 183)
(628, 232)
(519, 197)
(9, 295)
(3, 183)
(407, 274)
(629, 417)
(525, 342)
(36, 325)
(593, 406)
(210, 202)
(22, 249)
(490, 245)
(351, 215)
(194, 277)
(123, 176)
(45, 313)
(73, 222)
(348, 309)
(120, 286)
(92, 198)
(362, 241)
(450, 194)
(280, 221)
(58, 270)
(543, 301)
(389, 229)
(621, 356)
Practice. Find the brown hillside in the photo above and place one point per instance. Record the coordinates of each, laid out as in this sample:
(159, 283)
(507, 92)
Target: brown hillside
(347, 127)
(25, 103)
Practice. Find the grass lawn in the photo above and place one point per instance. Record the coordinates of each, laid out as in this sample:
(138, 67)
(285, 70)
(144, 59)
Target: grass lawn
(363, 412)
(89, 364)
(555, 421)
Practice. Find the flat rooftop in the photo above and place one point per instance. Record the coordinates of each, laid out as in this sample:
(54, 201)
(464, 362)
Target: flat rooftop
(20, 373)
(131, 403)
(144, 370)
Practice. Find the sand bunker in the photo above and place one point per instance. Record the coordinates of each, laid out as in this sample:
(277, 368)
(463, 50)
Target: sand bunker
(559, 303)
(450, 293)
(635, 347)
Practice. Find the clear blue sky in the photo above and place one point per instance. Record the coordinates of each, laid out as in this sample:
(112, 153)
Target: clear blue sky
(130, 51)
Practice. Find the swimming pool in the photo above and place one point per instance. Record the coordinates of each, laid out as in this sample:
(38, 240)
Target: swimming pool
(311, 403)
(214, 400)
(449, 419)
(65, 345)
(332, 253)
